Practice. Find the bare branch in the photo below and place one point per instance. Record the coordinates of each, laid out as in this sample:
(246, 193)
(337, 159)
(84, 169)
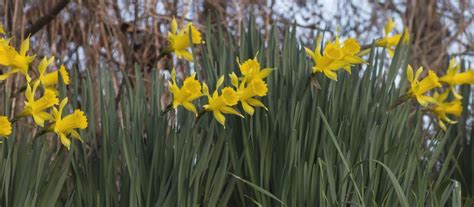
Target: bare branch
(46, 19)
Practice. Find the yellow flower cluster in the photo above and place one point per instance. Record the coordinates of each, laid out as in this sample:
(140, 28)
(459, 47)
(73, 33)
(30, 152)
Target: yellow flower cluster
(245, 89)
(41, 93)
(335, 56)
(419, 89)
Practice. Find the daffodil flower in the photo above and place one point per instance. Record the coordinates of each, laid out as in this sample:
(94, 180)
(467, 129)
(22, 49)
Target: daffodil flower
(2, 31)
(7, 53)
(442, 109)
(50, 80)
(248, 92)
(322, 63)
(419, 88)
(453, 78)
(180, 40)
(335, 56)
(18, 61)
(221, 104)
(190, 91)
(390, 42)
(66, 126)
(5, 127)
(250, 70)
(37, 108)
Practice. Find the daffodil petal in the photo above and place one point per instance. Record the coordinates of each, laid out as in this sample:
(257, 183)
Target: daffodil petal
(219, 117)
(410, 73)
(247, 108)
(230, 110)
(264, 73)
(76, 135)
(190, 107)
(256, 103)
(65, 141)
(330, 74)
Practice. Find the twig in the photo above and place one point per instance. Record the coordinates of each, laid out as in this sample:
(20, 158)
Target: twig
(46, 19)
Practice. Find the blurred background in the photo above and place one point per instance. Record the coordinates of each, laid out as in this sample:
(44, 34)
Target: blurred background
(121, 33)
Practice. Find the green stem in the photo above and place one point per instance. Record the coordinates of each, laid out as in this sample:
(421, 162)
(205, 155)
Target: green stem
(163, 54)
(402, 99)
(17, 117)
(200, 114)
(42, 132)
(167, 109)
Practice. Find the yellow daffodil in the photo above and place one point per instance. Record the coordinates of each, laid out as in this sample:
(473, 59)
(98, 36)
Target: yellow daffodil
(180, 40)
(37, 108)
(251, 70)
(50, 80)
(2, 31)
(6, 54)
(248, 92)
(322, 63)
(67, 126)
(419, 88)
(18, 61)
(335, 56)
(190, 91)
(5, 127)
(442, 109)
(22, 60)
(391, 42)
(350, 49)
(453, 78)
(221, 104)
